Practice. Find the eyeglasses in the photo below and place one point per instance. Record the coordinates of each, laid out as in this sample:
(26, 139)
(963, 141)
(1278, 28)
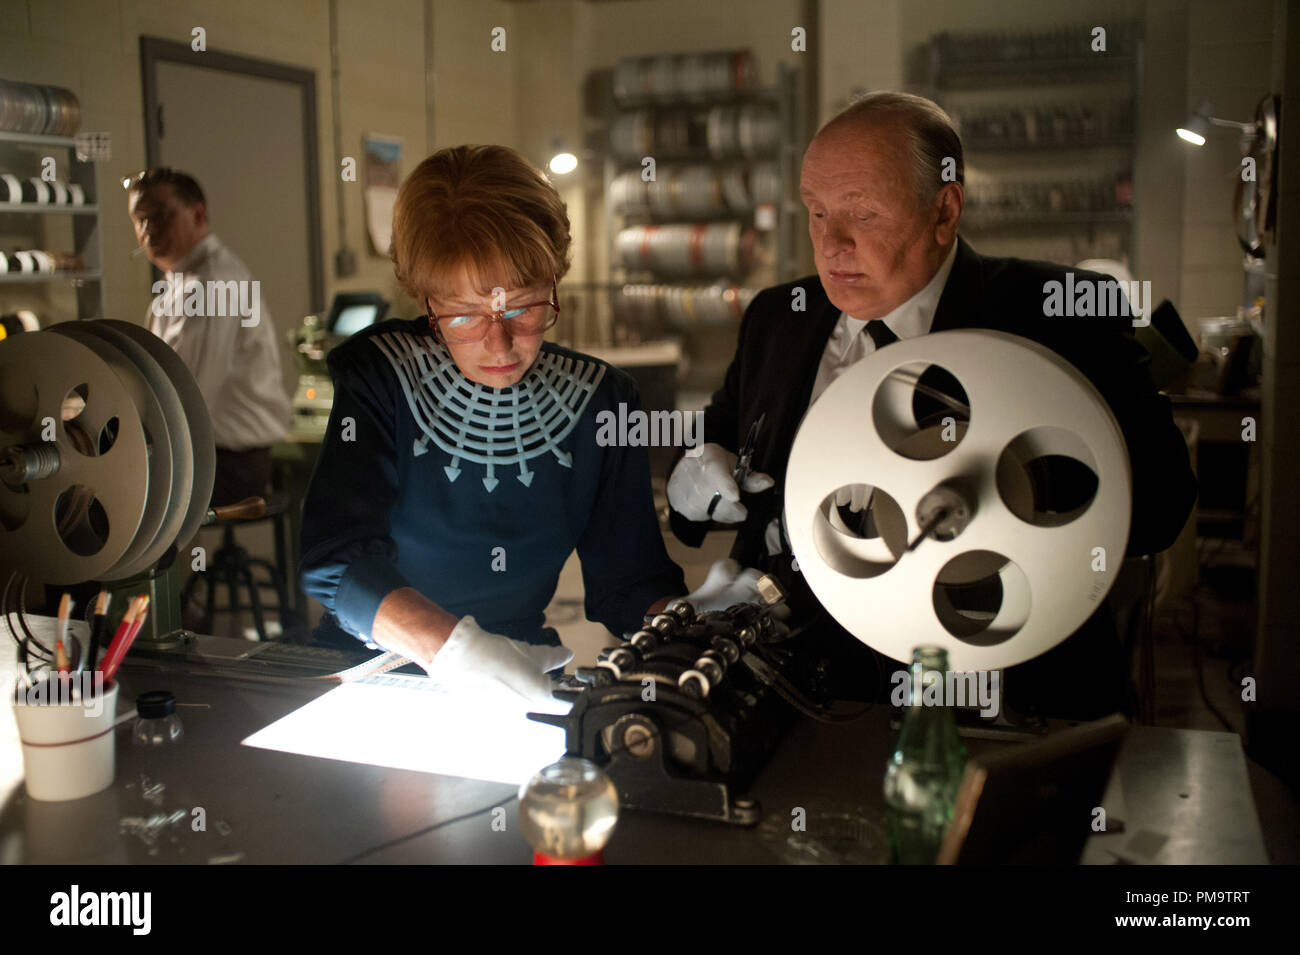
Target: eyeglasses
(152, 177)
(531, 319)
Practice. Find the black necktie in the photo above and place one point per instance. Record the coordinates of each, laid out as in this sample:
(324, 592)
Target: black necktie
(880, 333)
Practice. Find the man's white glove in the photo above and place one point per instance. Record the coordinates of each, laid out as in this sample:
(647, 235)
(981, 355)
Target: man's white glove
(856, 496)
(726, 586)
(473, 657)
(698, 477)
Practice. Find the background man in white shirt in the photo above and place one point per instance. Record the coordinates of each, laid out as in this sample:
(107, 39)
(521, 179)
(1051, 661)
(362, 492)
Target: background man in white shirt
(209, 310)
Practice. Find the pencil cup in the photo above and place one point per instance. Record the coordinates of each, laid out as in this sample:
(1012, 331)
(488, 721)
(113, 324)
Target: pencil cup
(67, 737)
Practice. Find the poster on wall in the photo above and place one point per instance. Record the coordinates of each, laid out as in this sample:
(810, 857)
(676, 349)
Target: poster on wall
(383, 176)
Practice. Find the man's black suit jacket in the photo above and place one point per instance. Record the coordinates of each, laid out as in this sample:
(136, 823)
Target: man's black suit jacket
(775, 366)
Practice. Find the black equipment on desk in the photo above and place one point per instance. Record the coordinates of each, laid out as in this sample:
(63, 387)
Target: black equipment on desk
(685, 713)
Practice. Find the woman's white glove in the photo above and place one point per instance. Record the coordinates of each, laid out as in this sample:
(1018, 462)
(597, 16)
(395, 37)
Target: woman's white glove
(698, 477)
(725, 586)
(473, 657)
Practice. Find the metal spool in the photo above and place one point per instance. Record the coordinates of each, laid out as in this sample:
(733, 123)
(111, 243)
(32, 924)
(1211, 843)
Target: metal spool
(50, 111)
(628, 194)
(765, 182)
(736, 190)
(661, 195)
(722, 133)
(663, 78)
(692, 78)
(627, 79)
(627, 247)
(13, 106)
(160, 427)
(699, 191)
(69, 110)
(81, 514)
(685, 305)
(175, 477)
(6, 109)
(18, 107)
(686, 249)
(37, 371)
(203, 450)
(720, 74)
(631, 134)
(1024, 403)
(35, 113)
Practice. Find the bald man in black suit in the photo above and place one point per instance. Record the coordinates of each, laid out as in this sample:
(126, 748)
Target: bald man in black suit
(883, 186)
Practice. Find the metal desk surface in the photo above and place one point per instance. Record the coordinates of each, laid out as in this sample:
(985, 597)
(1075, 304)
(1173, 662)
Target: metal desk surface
(1184, 791)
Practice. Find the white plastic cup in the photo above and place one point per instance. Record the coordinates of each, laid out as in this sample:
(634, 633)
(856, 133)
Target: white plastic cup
(68, 745)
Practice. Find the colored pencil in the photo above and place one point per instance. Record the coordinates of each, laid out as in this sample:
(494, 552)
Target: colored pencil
(126, 634)
(97, 627)
(61, 635)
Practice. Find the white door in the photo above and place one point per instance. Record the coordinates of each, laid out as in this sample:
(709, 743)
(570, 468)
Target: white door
(241, 136)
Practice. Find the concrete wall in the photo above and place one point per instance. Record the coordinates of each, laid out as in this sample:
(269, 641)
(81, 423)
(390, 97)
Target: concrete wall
(475, 87)
(860, 50)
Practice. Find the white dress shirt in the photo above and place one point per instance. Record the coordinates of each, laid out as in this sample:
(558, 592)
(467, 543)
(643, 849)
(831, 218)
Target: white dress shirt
(235, 362)
(850, 343)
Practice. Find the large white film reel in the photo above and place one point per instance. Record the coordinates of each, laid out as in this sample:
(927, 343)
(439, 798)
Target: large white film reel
(1013, 578)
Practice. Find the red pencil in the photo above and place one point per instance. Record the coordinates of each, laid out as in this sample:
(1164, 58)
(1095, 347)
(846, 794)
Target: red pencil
(126, 632)
(128, 618)
(139, 621)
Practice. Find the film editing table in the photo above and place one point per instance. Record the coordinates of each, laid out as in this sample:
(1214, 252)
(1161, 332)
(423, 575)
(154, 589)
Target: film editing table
(286, 769)
(1184, 794)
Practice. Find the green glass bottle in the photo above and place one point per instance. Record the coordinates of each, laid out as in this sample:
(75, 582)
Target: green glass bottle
(925, 768)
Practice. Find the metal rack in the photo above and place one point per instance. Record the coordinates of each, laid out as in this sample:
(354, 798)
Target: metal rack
(21, 153)
(1014, 131)
(698, 311)
(774, 222)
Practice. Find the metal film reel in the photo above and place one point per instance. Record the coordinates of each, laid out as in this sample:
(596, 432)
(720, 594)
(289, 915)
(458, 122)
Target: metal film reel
(1003, 577)
(203, 450)
(131, 469)
(159, 429)
(712, 248)
(76, 514)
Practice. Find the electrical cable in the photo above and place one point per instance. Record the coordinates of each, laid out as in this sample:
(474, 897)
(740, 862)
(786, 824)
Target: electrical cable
(1205, 697)
(500, 802)
(427, 829)
(22, 621)
(14, 602)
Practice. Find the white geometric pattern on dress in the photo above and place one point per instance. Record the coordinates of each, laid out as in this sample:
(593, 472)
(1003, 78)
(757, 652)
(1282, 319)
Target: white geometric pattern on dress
(495, 427)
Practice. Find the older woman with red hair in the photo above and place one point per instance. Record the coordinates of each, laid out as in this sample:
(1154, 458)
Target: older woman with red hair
(461, 466)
